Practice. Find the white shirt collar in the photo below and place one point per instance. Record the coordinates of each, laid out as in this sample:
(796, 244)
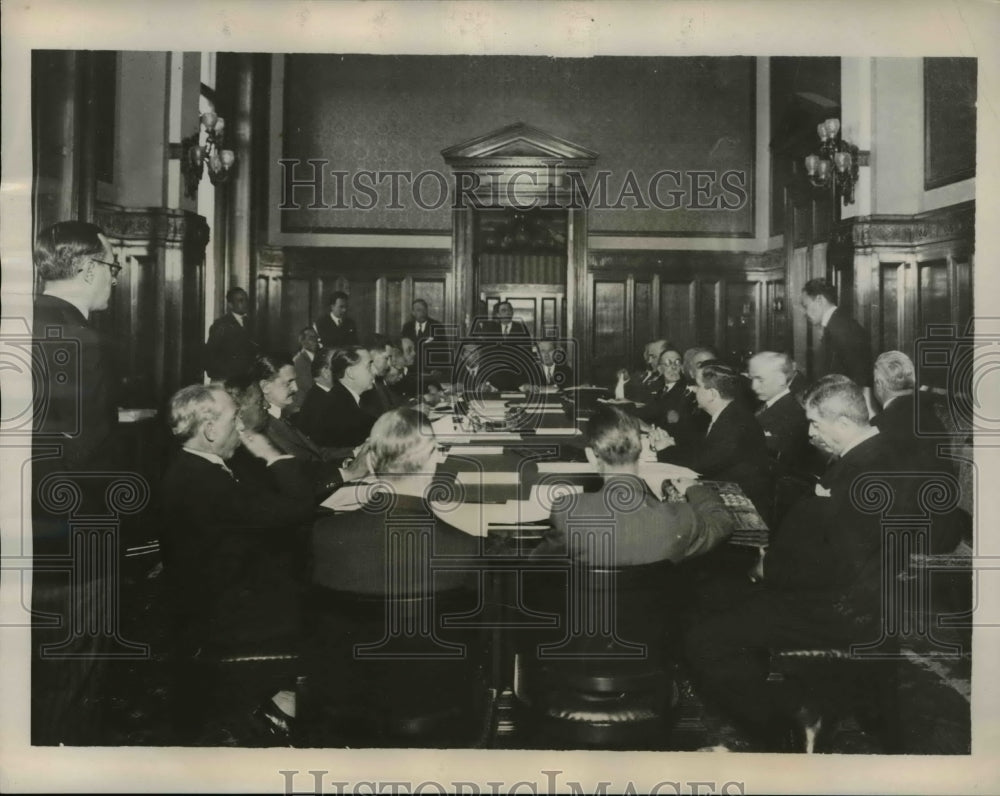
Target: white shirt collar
(865, 435)
(308, 353)
(335, 319)
(274, 411)
(238, 317)
(772, 401)
(827, 315)
(323, 387)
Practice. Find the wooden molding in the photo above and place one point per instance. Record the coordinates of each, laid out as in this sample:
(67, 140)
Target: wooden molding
(155, 225)
(956, 222)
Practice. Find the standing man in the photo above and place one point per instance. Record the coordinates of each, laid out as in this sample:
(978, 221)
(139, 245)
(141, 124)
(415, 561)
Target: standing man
(230, 350)
(846, 344)
(308, 345)
(74, 441)
(335, 328)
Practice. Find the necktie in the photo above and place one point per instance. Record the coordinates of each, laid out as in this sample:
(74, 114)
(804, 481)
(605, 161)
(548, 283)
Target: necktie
(420, 328)
(506, 329)
(548, 374)
(231, 474)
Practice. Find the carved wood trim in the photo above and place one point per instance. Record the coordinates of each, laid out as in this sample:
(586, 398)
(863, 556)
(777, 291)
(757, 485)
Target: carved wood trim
(158, 226)
(955, 222)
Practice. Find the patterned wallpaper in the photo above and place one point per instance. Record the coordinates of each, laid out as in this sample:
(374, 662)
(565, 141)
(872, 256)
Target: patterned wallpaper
(642, 115)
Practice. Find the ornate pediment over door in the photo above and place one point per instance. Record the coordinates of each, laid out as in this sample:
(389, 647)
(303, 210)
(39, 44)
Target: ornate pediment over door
(517, 165)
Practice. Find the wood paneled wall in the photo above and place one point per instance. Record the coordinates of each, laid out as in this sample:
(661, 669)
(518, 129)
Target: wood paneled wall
(910, 278)
(156, 314)
(293, 286)
(732, 301)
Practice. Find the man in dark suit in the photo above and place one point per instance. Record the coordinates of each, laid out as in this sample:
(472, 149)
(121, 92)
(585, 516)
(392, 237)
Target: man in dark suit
(910, 424)
(733, 448)
(75, 440)
(642, 386)
(645, 530)
(421, 327)
(551, 370)
(332, 414)
(782, 417)
(228, 546)
(380, 398)
(303, 359)
(846, 344)
(388, 549)
(507, 349)
(822, 577)
(670, 408)
(335, 328)
(230, 350)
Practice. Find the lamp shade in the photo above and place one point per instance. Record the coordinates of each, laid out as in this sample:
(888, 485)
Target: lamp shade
(832, 127)
(842, 161)
(812, 163)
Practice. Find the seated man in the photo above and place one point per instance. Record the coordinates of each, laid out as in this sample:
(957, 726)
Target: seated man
(303, 359)
(910, 424)
(550, 371)
(472, 373)
(786, 430)
(370, 568)
(645, 529)
(332, 414)
(733, 447)
(822, 579)
(228, 570)
(643, 385)
(380, 398)
(670, 407)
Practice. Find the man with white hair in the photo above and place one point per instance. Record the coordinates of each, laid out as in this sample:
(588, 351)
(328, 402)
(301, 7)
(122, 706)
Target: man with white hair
(783, 419)
(643, 385)
(219, 541)
(903, 408)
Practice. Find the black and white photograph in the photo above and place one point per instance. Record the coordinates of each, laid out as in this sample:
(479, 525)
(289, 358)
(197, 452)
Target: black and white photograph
(499, 397)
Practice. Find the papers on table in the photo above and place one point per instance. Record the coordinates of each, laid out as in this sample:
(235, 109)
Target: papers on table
(476, 450)
(484, 477)
(569, 431)
(653, 473)
(478, 518)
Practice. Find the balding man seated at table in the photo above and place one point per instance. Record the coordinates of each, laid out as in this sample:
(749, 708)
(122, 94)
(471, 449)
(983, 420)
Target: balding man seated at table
(643, 528)
(332, 414)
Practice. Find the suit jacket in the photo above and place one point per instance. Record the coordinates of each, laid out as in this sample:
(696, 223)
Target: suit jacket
(230, 350)
(645, 530)
(733, 449)
(227, 551)
(331, 335)
(303, 378)
(827, 555)
(847, 349)
(493, 328)
(433, 329)
(363, 551)
(380, 399)
(670, 409)
(899, 423)
(75, 413)
(333, 419)
(786, 432)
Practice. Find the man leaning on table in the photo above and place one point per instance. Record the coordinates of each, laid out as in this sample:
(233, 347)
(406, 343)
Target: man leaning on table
(644, 529)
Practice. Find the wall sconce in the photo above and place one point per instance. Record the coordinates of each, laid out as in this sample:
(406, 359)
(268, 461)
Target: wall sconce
(837, 163)
(196, 155)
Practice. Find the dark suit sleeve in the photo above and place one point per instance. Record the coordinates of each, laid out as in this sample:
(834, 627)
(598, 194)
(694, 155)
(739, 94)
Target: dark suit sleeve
(246, 507)
(710, 455)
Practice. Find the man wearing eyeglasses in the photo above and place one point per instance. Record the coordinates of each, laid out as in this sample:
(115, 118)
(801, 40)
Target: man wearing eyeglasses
(74, 442)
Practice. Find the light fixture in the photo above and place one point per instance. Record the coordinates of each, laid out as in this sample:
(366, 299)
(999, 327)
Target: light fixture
(199, 151)
(837, 163)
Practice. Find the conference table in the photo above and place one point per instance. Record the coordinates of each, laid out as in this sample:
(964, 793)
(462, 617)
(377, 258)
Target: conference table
(508, 457)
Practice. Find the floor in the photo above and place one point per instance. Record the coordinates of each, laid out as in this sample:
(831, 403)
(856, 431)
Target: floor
(935, 697)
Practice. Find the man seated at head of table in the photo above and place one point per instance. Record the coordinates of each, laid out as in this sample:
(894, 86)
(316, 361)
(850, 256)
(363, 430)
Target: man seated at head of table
(733, 447)
(643, 528)
(332, 414)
